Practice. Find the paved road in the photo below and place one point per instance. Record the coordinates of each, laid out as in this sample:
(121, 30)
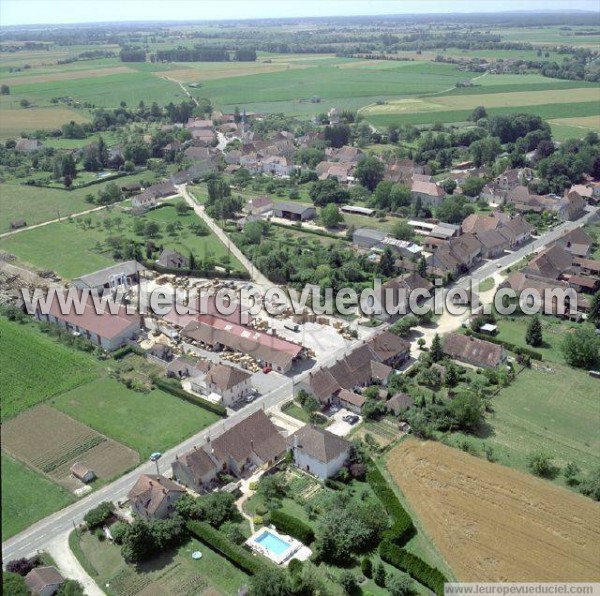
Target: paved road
(39, 535)
(256, 276)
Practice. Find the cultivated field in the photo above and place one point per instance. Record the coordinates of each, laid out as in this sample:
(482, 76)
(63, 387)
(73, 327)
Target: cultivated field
(146, 422)
(51, 442)
(35, 367)
(27, 497)
(492, 523)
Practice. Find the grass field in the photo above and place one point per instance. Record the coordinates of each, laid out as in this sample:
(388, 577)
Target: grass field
(72, 250)
(37, 205)
(172, 573)
(15, 120)
(492, 523)
(35, 367)
(27, 497)
(146, 422)
(51, 442)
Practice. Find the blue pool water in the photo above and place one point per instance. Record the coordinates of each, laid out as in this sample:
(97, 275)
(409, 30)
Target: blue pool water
(272, 543)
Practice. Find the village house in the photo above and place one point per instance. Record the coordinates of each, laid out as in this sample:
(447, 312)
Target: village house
(259, 206)
(319, 452)
(392, 302)
(586, 266)
(154, 497)
(230, 383)
(185, 367)
(195, 469)
(351, 401)
(552, 262)
(44, 581)
(126, 274)
(430, 193)
(149, 197)
(107, 330)
(294, 211)
(577, 242)
(342, 172)
(28, 145)
(473, 351)
(399, 403)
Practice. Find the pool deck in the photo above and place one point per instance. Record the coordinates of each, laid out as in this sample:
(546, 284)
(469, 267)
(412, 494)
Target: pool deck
(296, 549)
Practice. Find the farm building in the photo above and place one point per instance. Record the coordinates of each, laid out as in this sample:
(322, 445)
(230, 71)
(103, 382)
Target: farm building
(82, 472)
(44, 581)
(107, 330)
(171, 259)
(126, 274)
(154, 497)
(367, 237)
(319, 452)
(355, 209)
(294, 211)
(473, 351)
(269, 350)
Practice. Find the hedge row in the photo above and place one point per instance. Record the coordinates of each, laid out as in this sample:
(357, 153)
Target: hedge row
(402, 529)
(235, 554)
(210, 274)
(424, 573)
(288, 524)
(311, 231)
(120, 353)
(510, 347)
(173, 389)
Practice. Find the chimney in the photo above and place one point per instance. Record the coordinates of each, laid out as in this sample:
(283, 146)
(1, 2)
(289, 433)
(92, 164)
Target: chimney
(251, 444)
(150, 483)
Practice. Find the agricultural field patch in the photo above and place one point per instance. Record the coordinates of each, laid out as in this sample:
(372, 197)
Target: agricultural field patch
(27, 497)
(568, 128)
(68, 75)
(50, 442)
(35, 367)
(492, 523)
(207, 71)
(15, 120)
(111, 409)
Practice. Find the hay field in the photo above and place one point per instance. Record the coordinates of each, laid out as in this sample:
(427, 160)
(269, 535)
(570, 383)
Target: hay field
(492, 523)
(50, 442)
(13, 121)
(206, 71)
(66, 75)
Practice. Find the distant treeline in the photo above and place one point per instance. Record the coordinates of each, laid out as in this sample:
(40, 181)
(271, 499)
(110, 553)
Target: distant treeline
(195, 54)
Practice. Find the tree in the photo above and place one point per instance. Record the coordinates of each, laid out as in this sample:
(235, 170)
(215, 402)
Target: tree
(218, 189)
(323, 192)
(24, 103)
(369, 172)
(472, 186)
(386, 263)
(348, 582)
(436, 352)
(449, 186)
(366, 566)
(4, 90)
(594, 313)
(478, 113)
(98, 515)
(14, 584)
(399, 585)
(422, 266)
(466, 410)
(540, 464)
(570, 473)
(71, 587)
(151, 229)
(270, 581)
(581, 348)
(451, 377)
(379, 574)
(20, 566)
(331, 216)
(590, 487)
(68, 166)
(402, 231)
(533, 336)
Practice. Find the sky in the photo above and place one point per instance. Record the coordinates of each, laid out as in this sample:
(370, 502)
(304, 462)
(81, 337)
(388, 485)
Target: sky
(27, 12)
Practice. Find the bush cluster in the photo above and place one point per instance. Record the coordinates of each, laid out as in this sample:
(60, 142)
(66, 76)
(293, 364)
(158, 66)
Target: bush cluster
(288, 524)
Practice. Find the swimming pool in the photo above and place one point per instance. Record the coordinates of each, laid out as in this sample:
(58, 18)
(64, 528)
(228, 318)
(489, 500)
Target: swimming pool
(272, 543)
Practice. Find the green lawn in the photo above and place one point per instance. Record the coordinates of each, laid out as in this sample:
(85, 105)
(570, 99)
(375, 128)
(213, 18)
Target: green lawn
(36, 367)
(172, 573)
(27, 497)
(145, 422)
(37, 205)
(72, 248)
(555, 412)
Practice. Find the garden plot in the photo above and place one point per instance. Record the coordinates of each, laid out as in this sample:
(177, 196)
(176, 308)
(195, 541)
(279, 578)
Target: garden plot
(50, 442)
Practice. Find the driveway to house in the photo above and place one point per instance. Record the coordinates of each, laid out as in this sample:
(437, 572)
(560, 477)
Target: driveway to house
(339, 426)
(255, 275)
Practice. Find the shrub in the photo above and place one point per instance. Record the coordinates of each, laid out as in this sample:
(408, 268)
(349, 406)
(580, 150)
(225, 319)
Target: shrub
(99, 515)
(173, 389)
(510, 347)
(366, 566)
(541, 465)
(400, 558)
(99, 534)
(214, 539)
(402, 529)
(291, 525)
(20, 566)
(118, 532)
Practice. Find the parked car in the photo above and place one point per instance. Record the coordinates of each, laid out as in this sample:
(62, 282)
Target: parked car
(155, 456)
(267, 370)
(249, 398)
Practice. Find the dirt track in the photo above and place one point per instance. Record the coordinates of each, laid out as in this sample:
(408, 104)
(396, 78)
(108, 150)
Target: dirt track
(492, 523)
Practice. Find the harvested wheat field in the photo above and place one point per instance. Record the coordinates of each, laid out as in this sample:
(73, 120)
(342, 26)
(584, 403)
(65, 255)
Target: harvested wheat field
(51, 442)
(492, 523)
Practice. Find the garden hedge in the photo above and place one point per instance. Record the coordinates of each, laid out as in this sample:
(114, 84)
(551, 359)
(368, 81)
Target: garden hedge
(510, 347)
(402, 529)
(217, 541)
(288, 524)
(424, 573)
(169, 387)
